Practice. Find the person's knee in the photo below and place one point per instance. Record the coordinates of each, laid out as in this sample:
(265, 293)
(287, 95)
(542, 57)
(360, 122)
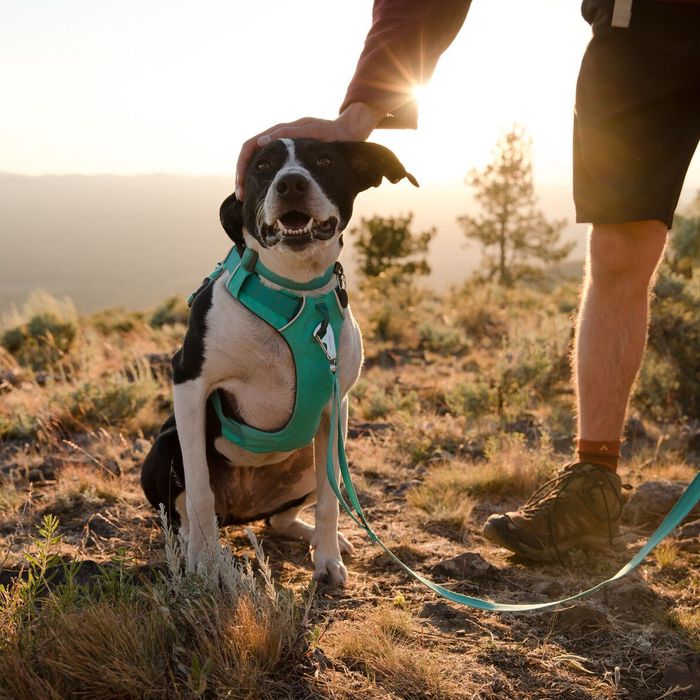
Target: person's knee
(625, 255)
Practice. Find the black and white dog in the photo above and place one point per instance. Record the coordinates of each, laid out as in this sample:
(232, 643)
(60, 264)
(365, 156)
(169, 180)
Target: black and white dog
(299, 196)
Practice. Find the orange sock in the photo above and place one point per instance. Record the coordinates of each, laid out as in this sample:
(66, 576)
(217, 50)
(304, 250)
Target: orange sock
(604, 454)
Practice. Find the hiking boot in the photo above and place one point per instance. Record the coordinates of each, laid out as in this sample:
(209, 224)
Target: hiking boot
(579, 507)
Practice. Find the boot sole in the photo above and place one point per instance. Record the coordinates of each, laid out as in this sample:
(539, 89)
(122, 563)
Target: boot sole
(493, 533)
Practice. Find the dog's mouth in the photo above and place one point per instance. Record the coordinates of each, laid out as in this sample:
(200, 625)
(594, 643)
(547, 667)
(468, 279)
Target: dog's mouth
(296, 227)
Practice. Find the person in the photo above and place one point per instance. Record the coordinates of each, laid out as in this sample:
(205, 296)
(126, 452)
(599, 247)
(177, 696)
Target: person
(636, 126)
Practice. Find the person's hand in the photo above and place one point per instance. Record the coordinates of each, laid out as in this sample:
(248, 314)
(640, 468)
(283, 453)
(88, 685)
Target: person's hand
(356, 123)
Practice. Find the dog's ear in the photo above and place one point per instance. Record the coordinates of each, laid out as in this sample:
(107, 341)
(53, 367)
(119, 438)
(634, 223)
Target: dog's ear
(371, 162)
(231, 217)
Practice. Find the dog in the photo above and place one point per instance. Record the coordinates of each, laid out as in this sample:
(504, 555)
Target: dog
(299, 197)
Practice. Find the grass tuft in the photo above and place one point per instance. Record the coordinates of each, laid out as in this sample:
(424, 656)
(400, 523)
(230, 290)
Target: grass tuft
(225, 631)
(383, 647)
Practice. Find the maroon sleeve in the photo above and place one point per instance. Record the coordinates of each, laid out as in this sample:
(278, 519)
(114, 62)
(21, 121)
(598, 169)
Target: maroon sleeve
(401, 50)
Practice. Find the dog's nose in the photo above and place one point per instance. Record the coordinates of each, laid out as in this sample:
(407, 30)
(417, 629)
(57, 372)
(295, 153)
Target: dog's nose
(292, 186)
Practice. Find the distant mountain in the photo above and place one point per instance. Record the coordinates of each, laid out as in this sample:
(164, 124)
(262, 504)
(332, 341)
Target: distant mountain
(129, 241)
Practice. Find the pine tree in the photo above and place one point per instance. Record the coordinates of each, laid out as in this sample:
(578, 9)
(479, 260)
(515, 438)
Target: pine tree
(388, 246)
(513, 232)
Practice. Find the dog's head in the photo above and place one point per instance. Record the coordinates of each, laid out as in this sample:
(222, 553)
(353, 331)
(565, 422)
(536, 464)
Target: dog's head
(300, 192)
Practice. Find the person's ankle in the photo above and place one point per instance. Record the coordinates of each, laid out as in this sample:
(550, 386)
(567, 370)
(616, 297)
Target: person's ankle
(602, 453)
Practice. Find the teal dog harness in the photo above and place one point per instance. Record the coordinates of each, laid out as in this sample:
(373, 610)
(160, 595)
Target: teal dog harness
(311, 327)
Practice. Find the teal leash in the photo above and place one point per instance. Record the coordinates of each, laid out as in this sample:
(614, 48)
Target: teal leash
(685, 504)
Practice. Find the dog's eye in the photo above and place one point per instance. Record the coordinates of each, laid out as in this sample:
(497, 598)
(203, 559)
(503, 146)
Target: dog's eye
(263, 165)
(324, 162)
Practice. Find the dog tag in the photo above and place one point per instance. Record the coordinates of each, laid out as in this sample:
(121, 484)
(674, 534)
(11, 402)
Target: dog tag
(327, 343)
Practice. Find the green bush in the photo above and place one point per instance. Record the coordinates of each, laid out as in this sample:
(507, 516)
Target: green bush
(18, 425)
(669, 385)
(117, 321)
(441, 339)
(42, 342)
(173, 310)
(470, 400)
(113, 401)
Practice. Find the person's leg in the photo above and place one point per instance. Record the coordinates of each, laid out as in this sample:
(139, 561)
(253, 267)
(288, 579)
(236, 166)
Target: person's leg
(636, 127)
(612, 323)
(582, 505)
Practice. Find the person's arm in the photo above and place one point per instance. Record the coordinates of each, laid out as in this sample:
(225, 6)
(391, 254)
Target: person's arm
(401, 50)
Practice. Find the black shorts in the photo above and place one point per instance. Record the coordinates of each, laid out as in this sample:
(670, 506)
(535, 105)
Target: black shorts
(637, 118)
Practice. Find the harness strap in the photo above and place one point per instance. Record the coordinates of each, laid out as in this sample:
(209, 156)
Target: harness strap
(685, 504)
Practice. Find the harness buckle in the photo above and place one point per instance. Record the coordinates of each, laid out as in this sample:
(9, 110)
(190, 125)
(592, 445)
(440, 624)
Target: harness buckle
(326, 339)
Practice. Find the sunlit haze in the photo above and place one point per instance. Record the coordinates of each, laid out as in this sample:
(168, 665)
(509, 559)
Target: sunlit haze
(161, 86)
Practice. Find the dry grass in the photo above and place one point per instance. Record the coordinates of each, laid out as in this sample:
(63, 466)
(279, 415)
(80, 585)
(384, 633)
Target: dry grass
(688, 620)
(511, 469)
(666, 554)
(10, 497)
(228, 631)
(444, 390)
(383, 646)
(82, 485)
(444, 497)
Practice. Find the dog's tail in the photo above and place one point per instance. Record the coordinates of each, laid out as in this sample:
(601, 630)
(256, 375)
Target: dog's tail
(162, 472)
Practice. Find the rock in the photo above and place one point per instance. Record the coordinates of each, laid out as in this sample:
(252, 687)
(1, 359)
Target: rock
(550, 589)
(359, 429)
(683, 672)
(141, 446)
(46, 471)
(690, 530)
(628, 595)
(527, 425)
(437, 609)
(579, 617)
(12, 378)
(693, 441)
(467, 566)
(651, 502)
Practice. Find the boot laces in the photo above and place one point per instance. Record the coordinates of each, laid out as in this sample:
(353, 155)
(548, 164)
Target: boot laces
(546, 498)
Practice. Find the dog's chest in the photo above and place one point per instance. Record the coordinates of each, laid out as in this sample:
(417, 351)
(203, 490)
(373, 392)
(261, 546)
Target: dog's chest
(250, 362)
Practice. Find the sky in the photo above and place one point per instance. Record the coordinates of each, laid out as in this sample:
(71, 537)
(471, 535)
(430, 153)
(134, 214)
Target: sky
(174, 86)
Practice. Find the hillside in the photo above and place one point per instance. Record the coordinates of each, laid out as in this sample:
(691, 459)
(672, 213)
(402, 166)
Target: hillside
(457, 415)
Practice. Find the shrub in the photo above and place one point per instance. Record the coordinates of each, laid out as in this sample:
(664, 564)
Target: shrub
(470, 399)
(117, 321)
(18, 424)
(42, 342)
(441, 339)
(112, 400)
(669, 386)
(173, 310)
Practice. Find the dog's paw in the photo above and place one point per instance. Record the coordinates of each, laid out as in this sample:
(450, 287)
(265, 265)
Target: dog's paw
(330, 569)
(345, 545)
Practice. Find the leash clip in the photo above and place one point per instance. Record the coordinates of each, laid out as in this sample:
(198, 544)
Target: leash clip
(341, 289)
(326, 339)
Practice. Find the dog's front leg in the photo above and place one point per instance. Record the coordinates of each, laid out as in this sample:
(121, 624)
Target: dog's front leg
(327, 558)
(190, 399)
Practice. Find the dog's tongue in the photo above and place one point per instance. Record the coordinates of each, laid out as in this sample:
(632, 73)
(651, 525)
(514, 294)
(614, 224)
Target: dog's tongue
(295, 220)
